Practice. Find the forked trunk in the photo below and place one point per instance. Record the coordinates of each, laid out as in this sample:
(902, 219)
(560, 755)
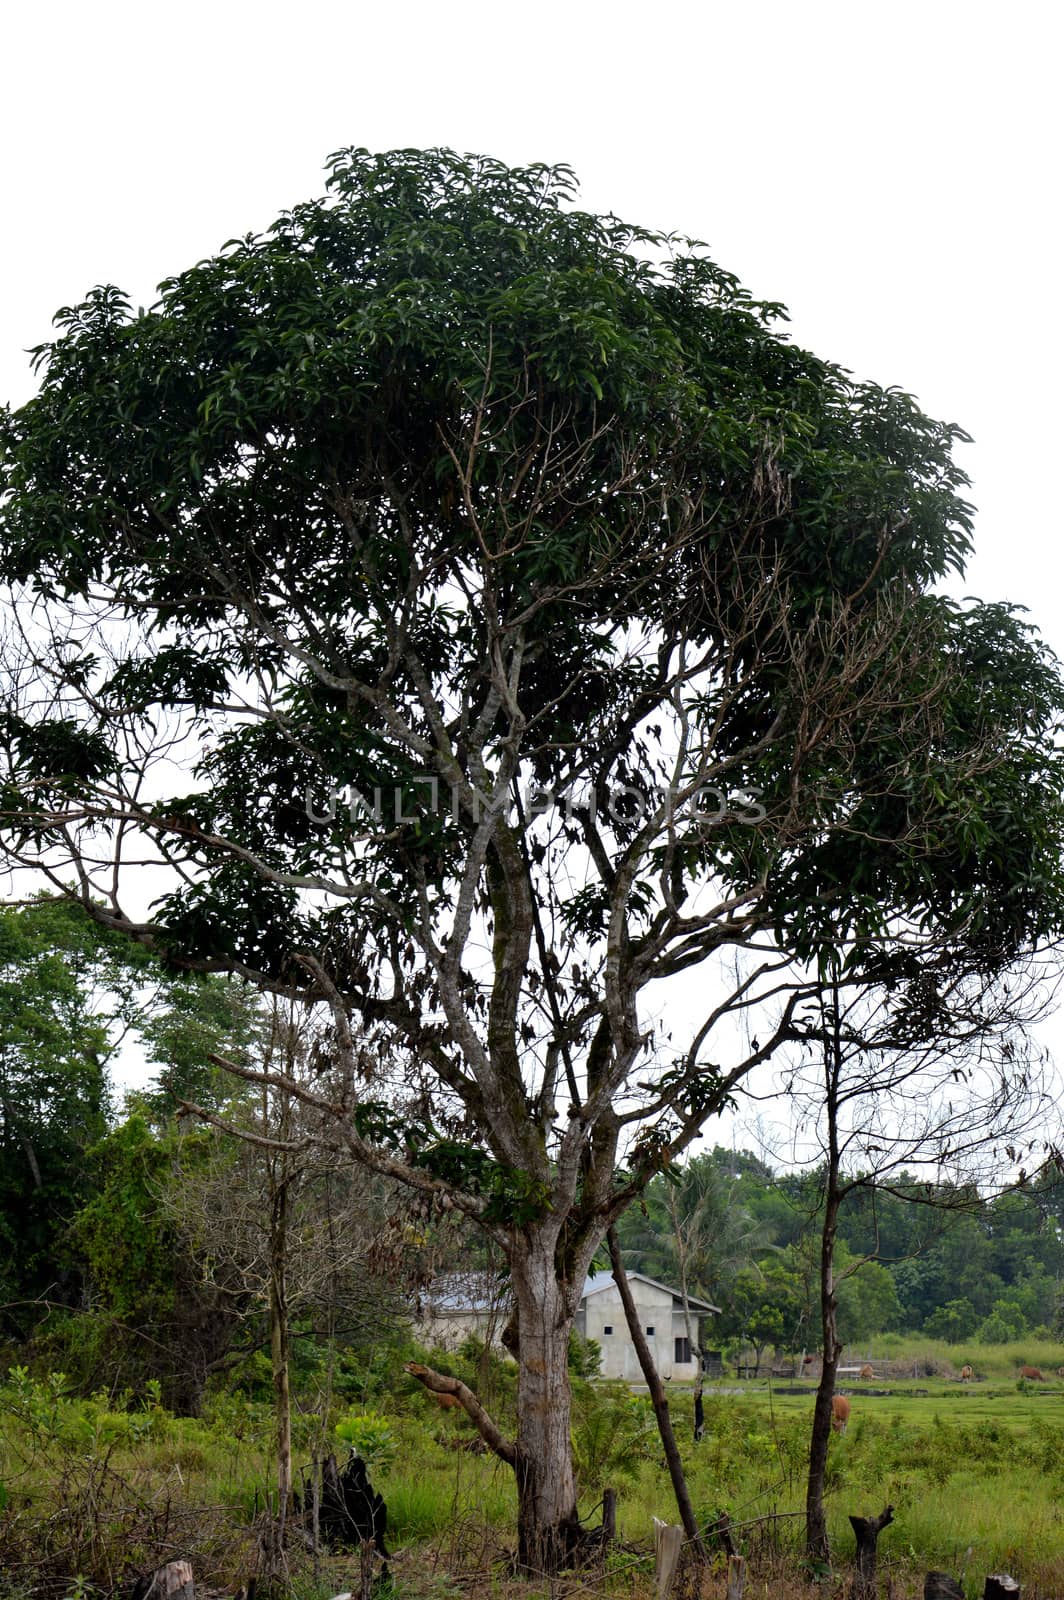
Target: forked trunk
(548, 1531)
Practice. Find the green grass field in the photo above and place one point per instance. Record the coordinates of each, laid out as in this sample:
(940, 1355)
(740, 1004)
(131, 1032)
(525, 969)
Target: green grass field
(975, 1474)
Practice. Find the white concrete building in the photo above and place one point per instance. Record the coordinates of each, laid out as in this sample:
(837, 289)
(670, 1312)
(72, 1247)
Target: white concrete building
(601, 1317)
(463, 1303)
(476, 1303)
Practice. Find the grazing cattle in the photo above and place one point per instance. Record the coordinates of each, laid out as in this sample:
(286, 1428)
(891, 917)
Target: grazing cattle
(866, 1371)
(1032, 1372)
(967, 1374)
(840, 1412)
(1060, 1372)
(446, 1402)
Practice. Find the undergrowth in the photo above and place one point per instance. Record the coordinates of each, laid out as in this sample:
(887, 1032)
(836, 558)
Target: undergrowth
(95, 1490)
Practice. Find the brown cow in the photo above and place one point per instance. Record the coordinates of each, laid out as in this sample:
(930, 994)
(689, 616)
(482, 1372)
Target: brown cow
(967, 1374)
(866, 1371)
(840, 1412)
(1032, 1372)
(446, 1402)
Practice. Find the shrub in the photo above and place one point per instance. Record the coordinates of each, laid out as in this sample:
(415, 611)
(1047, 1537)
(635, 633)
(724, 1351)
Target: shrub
(585, 1356)
(614, 1432)
(370, 1436)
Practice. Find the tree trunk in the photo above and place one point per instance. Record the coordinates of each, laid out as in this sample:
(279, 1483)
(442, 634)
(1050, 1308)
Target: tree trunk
(816, 1528)
(315, 1506)
(279, 1348)
(548, 1531)
(658, 1400)
(817, 1548)
(694, 1344)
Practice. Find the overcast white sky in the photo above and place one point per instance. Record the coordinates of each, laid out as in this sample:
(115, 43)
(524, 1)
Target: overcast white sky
(891, 173)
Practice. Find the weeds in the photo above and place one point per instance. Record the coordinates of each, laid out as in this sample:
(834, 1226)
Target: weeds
(98, 1489)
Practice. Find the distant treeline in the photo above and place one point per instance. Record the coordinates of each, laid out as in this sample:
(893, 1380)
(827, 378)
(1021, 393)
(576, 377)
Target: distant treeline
(134, 1240)
(937, 1259)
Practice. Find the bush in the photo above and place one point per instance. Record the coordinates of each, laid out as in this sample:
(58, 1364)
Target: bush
(614, 1432)
(1005, 1323)
(956, 1321)
(370, 1436)
(585, 1356)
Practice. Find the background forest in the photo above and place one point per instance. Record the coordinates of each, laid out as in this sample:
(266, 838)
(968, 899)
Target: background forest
(145, 1237)
(136, 1232)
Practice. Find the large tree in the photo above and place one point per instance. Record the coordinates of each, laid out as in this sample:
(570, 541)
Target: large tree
(610, 612)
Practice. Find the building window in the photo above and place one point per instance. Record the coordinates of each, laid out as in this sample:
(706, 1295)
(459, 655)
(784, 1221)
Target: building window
(650, 1333)
(608, 1328)
(683, 1350)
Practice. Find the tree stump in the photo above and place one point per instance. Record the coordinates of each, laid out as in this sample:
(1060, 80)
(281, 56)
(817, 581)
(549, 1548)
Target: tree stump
(351, 1512)
(999, 1586)
(940, 1586)
(172, 1582)
(867, 1530)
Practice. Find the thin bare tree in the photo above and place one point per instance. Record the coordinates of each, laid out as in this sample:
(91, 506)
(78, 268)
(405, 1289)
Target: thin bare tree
(939, 1075)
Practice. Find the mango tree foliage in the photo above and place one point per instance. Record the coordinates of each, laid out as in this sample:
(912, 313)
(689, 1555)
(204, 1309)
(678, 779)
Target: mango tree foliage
(483, 616)
(73, 996)
(54, 1092)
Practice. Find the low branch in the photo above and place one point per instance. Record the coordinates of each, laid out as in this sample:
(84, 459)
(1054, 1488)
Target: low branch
(442, 1383)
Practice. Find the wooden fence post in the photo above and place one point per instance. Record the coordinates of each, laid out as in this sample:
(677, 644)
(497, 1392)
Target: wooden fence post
(609, 1515)
(668, 1542)
(736, 1577)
